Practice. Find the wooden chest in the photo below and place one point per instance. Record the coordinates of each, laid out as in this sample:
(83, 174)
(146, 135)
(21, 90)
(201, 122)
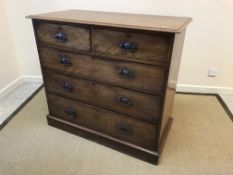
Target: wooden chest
(111, 77)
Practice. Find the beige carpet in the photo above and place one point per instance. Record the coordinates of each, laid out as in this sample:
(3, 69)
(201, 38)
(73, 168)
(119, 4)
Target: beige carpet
(200, 143)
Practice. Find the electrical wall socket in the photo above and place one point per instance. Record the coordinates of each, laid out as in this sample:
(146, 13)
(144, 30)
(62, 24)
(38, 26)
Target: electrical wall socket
(213, 72)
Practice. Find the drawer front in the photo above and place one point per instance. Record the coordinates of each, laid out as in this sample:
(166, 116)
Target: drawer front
(116, 125)
(125, 74)
(135, 104)
(134, 46)
(139, 133)
(64, 35)
(79, 113)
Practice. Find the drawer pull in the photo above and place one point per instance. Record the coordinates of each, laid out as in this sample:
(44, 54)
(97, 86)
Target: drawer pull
(124, 128)
(60, 36)
(71, 112)
(125, 101)
(67, 87)
(65, 61)
(126, 73)
(130, 46)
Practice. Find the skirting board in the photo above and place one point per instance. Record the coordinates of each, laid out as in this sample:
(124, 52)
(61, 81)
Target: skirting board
(179, 88)
(32, 78)
(10, 87)
(204, 89)
(15, 83)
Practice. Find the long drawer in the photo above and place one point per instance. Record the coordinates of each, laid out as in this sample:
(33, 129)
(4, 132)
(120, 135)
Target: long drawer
(116, 125)
(125, 45)
(64, 36)
(122, 73)
(135, 104)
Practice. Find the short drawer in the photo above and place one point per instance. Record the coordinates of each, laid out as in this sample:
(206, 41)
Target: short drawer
(121, 73)
(64, 35)
(133, 103)
(140, 47)
(111, 123)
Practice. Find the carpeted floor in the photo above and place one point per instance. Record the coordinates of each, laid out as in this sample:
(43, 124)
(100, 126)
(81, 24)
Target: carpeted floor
(200, 143)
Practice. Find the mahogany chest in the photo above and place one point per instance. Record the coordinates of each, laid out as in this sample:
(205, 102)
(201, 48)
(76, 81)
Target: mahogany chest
(111, 77)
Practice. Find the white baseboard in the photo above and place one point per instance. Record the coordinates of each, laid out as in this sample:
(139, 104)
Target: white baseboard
(32, 78)
(17, 82)
(204, 89)
(180, 87)
(10, 87)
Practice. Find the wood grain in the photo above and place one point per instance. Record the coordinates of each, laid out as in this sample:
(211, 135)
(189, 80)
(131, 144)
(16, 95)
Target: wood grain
(104, 121)
(77, 37)
(111, 76)
(104, 139)
(150, 47)
(146, 78)
(121, 20)
(139, 133)
(141, 106)
(171, 87)
(85, 115)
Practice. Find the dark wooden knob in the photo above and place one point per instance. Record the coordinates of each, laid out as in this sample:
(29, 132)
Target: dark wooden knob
(60, 36)
(126, 73)
(124, 128)
(64, 60)
(129, 46)
(125, 101)
(71, 112)
(67, 87)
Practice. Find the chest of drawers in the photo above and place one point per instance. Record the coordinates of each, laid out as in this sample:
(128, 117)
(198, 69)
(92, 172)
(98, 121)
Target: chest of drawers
(111, 77)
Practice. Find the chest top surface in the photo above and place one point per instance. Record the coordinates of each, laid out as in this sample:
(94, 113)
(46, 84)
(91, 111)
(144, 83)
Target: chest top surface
(122, 20)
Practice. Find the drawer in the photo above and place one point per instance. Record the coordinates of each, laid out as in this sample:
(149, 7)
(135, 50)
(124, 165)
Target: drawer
(64, 35)
(121, 73)
(114, 124)
(148, 48)
(136, 104)
(79, 113)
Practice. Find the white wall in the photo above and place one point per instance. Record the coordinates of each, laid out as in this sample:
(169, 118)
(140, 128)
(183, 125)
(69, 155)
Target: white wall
(207, 43)
(9, 64)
